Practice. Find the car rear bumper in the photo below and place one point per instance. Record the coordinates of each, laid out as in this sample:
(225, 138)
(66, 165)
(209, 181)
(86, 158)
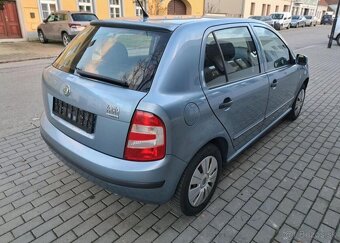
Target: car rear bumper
(151, 182)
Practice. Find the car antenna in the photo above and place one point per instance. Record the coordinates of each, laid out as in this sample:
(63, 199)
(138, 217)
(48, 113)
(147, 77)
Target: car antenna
(145, 14)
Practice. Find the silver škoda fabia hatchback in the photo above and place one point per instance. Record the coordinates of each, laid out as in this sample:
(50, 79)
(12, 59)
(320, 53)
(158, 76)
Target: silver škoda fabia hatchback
(152, 109)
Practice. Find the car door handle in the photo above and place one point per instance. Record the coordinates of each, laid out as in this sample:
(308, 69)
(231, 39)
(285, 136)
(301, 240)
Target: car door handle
(227, 102)
(274, 83)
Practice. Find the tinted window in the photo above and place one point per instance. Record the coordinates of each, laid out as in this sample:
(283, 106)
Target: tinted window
(239, 53)
(122, 56)
(275, 50)
(84, 17)
(213, 64)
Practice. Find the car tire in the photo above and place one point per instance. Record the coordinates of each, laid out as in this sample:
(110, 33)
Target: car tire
(42, 37)
(338, 39)
(65, 38)
(298, 104)
(201, 177)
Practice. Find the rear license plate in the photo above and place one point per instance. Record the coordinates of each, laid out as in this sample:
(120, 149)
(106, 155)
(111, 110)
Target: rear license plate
(80, 118)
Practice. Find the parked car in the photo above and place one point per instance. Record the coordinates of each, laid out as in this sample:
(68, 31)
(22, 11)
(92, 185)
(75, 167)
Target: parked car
(266, 19)
(149, 112)
(298, 21)
(337, 32)
(281, 20)
(327, 19)
(64, 26)
(311, 20)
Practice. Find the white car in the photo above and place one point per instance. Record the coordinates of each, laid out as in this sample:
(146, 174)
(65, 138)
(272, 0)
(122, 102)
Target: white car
(337, 32)
(281, 20)
(336, 35)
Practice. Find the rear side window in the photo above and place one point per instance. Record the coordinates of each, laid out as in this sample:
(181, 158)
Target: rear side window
(83, 17)
(236, 48)
(214, 72)
(276, 52)
(126, 57)
(239, 53)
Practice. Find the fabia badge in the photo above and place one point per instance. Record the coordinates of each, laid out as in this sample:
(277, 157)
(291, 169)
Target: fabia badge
(67, 90)
(112, 111)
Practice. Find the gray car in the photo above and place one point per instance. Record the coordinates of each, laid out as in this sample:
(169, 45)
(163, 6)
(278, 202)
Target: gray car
(298, 21)
(152, 110)
(64, 26)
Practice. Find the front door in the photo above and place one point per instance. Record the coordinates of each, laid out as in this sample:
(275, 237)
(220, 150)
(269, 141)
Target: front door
(9, 21)
(282, 74)
(236, 90)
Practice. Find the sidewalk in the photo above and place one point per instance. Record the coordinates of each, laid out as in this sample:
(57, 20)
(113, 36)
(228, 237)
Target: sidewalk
(21, 51)
(284, 188)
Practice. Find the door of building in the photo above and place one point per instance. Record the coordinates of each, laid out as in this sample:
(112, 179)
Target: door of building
(9, 21)
(177, 7)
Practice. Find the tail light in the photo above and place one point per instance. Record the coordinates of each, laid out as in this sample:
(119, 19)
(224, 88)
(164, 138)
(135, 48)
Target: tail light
(146, 138)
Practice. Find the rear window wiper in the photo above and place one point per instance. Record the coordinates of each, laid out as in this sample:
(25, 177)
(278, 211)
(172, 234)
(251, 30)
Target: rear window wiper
(101, 78)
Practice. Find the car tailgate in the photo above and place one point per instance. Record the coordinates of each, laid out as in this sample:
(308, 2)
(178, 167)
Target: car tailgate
(110, 106)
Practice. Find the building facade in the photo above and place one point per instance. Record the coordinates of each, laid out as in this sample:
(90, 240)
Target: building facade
(305, 7)
(20, 18)
(246, 8)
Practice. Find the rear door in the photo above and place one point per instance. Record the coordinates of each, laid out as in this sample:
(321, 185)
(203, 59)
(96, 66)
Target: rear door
(283, 73)
(235, 88)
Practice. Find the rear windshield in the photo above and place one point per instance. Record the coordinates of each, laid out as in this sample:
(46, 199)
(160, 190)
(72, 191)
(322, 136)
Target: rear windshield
(83, 17)
(125, 57)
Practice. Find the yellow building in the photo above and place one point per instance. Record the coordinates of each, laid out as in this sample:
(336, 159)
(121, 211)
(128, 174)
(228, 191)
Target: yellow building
(23, 16)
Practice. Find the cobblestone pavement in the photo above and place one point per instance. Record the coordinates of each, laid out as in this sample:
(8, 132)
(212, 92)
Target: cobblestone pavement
(284, 188)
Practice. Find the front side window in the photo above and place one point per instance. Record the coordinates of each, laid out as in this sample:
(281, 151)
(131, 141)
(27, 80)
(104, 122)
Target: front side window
(276, 52)
(125, 57)
(239, 53)
(115, 9)
(51, 18)
(85, 6)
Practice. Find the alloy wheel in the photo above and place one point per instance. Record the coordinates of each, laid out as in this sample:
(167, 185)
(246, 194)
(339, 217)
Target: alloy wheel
(203, 181)
(299, 102)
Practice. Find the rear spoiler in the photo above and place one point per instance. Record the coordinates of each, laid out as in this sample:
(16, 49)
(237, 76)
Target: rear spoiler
(132, 25)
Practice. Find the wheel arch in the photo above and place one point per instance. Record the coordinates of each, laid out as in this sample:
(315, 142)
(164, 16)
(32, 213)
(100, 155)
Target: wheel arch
(305, 83)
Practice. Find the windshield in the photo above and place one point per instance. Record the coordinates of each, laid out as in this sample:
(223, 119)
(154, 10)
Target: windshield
(267, 18)
(277, 16)
(126, 57)
(295, 17)
(84, 17)
(308, 17)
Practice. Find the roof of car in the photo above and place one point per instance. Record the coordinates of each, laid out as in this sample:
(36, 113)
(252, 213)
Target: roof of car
(169, 24)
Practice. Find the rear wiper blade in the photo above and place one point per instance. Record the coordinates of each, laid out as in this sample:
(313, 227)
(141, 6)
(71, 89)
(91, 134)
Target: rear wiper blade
(101, 78)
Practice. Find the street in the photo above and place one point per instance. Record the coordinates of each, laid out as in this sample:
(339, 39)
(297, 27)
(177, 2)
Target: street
(285, 187)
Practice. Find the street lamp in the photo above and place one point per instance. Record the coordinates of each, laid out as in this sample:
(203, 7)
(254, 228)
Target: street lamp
(331, 37)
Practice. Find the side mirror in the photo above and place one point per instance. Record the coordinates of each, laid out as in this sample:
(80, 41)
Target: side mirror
(45, 21)
(301, 59)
